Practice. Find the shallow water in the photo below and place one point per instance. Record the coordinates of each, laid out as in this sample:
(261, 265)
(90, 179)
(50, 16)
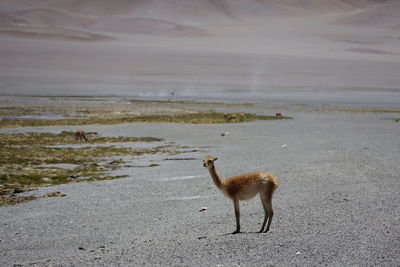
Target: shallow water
(60, 165)
(42, 116)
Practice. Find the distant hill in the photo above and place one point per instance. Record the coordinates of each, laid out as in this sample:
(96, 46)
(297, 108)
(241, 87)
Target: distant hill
(74, 18)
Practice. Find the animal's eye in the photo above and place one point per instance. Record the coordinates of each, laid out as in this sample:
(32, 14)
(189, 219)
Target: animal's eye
(209, 161)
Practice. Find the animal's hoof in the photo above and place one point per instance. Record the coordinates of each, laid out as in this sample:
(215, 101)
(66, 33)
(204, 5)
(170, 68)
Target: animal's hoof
(266, 230)
(260, 231)
(236, 232)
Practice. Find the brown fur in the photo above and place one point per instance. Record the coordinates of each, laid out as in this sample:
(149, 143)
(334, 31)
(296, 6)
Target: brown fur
(229, 117)
(278, 114)
(80, 135)
(241, 117)
(246, 186)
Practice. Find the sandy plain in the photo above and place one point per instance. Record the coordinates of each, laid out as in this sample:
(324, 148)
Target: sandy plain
(337, 203)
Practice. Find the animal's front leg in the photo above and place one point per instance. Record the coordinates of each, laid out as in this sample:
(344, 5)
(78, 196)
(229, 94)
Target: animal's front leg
(237, 215)
(265, 214)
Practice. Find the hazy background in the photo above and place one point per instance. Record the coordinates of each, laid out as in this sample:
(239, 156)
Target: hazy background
(311, 51)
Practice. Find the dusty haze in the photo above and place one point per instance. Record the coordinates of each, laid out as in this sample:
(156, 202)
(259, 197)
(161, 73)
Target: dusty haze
(326, 51)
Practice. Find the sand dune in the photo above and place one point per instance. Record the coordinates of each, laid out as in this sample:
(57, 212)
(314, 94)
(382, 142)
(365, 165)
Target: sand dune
(16, 5)
(39, 18)
(386, 16)
(145, 26)
(184, 18)
(43, 16)
(28, 20)
(52, 32)
(204, 11)
(48, 24)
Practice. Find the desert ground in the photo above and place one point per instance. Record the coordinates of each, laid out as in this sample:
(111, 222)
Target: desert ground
(331, 66)
(337, 203)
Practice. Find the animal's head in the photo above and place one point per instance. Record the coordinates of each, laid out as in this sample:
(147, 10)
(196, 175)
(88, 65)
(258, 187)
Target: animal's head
(208, 161)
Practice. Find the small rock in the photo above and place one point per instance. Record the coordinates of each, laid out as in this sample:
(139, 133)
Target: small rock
(202, 209)
(284, 146)
(46, 179)
(18, 190)
(298, 253)
(114, 162)
(53, 194)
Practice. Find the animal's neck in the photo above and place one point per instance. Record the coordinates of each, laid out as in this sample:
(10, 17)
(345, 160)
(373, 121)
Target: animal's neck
(214, 175)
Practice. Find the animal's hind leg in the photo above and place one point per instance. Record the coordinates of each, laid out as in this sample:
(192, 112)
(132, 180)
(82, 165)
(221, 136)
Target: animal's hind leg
(268, 202)
(265, 213)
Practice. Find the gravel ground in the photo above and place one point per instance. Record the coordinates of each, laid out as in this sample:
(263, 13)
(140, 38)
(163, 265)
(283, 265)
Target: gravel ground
(337, 204)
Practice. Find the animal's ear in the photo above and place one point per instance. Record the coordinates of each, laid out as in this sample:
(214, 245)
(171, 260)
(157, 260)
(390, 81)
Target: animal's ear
(215, 159)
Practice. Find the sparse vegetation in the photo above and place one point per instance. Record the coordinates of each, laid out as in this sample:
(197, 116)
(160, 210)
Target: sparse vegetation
(393, 119)
(24, 156)
(115, 113)
(65, 137)
(194, 117)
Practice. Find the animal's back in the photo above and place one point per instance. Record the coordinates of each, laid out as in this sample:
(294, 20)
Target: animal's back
(248, 185)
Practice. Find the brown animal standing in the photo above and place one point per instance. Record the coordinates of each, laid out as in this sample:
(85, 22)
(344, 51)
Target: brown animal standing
(244, 187)
(80, 135)
(241, 117)
(278, 114)
(229, 117)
